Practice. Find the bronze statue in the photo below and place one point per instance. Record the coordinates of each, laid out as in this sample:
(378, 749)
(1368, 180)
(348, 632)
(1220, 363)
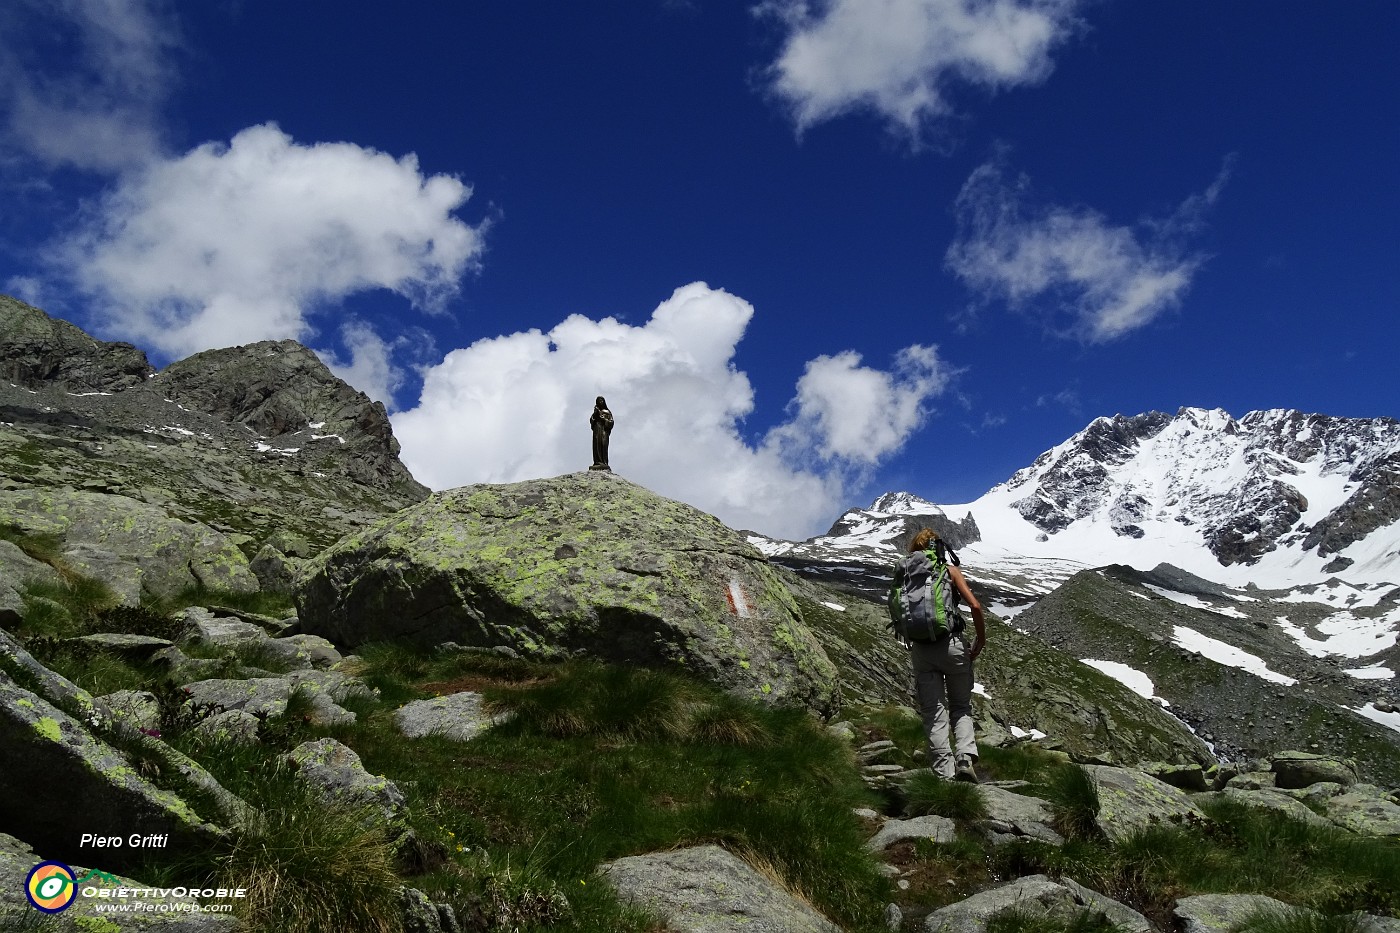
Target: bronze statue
(602, 424)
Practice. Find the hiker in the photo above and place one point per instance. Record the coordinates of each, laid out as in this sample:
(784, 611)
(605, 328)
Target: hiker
(602, 424)
(943, 664)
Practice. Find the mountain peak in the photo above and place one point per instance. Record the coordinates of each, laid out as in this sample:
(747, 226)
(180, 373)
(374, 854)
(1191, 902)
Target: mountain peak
(897, 502)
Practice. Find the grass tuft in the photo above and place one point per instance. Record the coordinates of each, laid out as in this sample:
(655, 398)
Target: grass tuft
(309, 866)
(927, 794)
(1293, 920)
(1074, 800)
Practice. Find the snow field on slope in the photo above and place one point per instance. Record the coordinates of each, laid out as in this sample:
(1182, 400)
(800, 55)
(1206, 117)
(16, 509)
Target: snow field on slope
(1370, 712)
(1224, 653)
(1346, 634)
(1130, 677)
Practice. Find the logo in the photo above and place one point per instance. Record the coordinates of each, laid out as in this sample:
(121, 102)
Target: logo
(51, 887)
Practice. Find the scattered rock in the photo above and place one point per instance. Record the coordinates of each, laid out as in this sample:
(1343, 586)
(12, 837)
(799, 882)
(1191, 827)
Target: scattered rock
(1188, 777)
(1019, 815)
(265, 696)
(1301, 769)
(336, 772)
(1272, 800)
(138, 709)
(459, 717)
(167, 914)
(1221, 913)
(1037, 897)
(232, 726)
(50, 760)
(1365, 809)
(131, 546)
(1130, 801)
(17, 567)
(937, 828)
(706, 889)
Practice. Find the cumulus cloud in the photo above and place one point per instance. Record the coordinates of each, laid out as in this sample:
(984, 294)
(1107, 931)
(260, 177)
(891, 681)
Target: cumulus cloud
(514, 407)
(234, 243)
(1109, 279)
(848, 412)
(82, 82)
(899, 58)
(369, 366)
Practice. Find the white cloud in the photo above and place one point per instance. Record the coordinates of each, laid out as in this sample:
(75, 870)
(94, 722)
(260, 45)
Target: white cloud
(1110, 279)
(515, 407)
(845, 411)
(82, 81)
(370, 367)
(231, 244)
(899, 57)
(27, 289)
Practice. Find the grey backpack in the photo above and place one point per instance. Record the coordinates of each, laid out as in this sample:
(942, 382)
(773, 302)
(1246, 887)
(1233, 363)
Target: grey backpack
(923, 602)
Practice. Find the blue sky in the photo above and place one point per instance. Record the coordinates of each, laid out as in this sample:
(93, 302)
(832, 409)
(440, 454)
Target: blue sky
(810, 251)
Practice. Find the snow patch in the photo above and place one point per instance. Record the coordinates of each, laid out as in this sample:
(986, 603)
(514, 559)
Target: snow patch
(1132, 678)
(1345, 634)
(837, 606)
(1194, 601)
(262, 448)
(1375, 672)
(1222, 653)
(1386, 719)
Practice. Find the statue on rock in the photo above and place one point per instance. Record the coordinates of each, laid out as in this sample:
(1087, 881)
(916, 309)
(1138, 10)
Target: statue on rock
(602, 424)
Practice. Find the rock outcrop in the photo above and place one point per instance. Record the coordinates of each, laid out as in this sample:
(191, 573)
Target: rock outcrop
(706, 889)
(131, 546)
(37, 350)
(586, 563)
(281, 391)
(261, 443)
(47, 748)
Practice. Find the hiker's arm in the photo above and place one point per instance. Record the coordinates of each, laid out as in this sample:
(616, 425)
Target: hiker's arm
(978, 622)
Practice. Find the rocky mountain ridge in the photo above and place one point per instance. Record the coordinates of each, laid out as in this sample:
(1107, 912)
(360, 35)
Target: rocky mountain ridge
(261, 443)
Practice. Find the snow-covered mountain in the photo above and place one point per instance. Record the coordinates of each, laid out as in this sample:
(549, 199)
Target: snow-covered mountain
(1284, 528)
(1276, 499)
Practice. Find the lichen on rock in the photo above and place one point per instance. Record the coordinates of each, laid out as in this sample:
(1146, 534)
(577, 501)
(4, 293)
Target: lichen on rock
(587, 563)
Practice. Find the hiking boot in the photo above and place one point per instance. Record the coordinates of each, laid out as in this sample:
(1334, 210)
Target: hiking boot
(965, 771)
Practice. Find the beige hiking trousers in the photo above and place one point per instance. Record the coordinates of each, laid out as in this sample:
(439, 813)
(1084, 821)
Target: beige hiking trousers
(943, 690)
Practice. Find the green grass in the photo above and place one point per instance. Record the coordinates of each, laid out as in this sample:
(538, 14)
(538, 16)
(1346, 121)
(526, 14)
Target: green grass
(96, 671)
(1021, 762)
(274, 605)
(602, 762)
(1074, 800)
(45, 548)
(309, 866)
(1242, 850)
(930, 794)
(1300, 921)
(64, 608)
(245, 659)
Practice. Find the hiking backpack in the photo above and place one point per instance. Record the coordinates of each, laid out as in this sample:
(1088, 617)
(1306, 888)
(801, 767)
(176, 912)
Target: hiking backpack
(923, 601)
